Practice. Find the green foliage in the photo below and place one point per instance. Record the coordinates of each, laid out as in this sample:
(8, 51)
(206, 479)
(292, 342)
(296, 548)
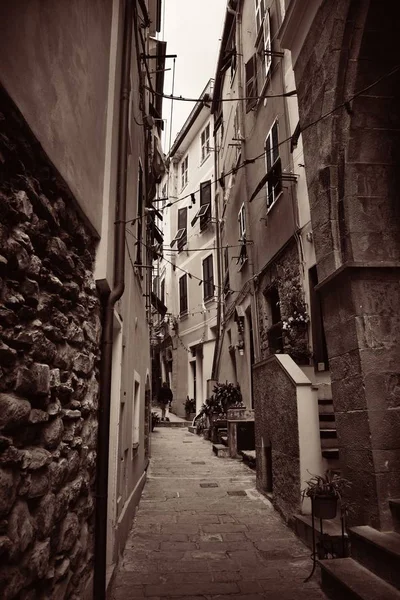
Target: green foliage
(227, 395)
(330, 484)
(190, 405)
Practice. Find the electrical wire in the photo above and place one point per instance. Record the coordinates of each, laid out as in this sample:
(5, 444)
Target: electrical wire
(190, 275)
(302, 129)
(202, 100)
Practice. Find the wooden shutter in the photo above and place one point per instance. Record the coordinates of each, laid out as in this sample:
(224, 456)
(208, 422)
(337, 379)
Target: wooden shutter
(267, 42)
(208, 277)
(182, 224)
(183, 304)
(251, 83)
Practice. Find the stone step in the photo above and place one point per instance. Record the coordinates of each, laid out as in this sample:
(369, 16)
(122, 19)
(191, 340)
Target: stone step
(174, 424)
(324, 391)
(220, 450)
(249, 458)
(378, 551)
(224, 440)
(328, 438)
(395, 510)
(327, 425)
(192, 429)
(326, 417)
(331, 453)
(325, 406)
(328, 433)
(331, 527)
(345, 579)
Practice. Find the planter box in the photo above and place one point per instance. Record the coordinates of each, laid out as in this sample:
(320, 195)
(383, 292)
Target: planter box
(240, 414)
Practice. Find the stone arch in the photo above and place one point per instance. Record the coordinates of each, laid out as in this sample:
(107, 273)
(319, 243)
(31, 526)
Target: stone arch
(352, 159)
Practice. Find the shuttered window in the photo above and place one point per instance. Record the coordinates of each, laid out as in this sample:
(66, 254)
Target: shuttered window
(273, 165)
(251, 83)
(181, 234)
(183, 295)
(208, 278)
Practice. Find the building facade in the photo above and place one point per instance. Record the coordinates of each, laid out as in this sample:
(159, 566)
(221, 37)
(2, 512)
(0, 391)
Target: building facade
(347, 81)
(80, 161)
(188, 271)
(270, 306)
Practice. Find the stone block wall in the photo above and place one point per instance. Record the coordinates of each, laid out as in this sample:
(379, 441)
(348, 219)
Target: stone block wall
(276, 427)
(50, 332)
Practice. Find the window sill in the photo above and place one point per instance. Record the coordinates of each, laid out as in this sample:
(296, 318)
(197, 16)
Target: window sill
(209, 300)
(184, 314)
(274, 202)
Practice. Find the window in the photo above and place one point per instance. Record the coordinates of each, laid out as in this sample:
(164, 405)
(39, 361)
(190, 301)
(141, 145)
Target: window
(208, 278)
(162, 291)
(242, 235)
(263, 42)
(183, 295)
(273, 165)
(204, 213)
(275, 339)
(184, 171)
(251, 83)
(237, 136)
(181, 234)
(266, 43)
(226, 269)
(260, 13)
(205, 143)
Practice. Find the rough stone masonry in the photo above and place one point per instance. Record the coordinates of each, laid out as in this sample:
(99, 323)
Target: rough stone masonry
(49, 348)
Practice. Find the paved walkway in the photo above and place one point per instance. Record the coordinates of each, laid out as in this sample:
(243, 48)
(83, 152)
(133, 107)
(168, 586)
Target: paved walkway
(202, 531)
(173, 418)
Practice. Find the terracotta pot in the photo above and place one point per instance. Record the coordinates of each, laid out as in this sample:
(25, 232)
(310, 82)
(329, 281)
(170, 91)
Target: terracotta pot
(325, 507)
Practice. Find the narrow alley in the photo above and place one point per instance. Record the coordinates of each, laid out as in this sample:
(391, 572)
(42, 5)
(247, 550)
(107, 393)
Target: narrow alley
(203, 531)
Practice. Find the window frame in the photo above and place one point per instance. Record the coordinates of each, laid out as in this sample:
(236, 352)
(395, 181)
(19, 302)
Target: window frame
(184, 171)
(251, 83)
(182, 229)
(205, 145)
(273, 165)
(208, 278)
(183, 295)
(259, 6)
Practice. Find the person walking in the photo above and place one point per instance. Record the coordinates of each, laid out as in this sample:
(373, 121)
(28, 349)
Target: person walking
(165, 397)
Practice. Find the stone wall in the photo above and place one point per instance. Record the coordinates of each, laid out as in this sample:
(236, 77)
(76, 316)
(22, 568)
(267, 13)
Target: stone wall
(49, 348)
(348, 87)
(284, 274)
(276, 427)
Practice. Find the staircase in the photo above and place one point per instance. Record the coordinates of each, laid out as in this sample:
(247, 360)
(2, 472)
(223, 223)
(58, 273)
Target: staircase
(373, 572)
(327, 427)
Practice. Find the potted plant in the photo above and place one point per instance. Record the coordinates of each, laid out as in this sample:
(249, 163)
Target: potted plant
(227, 395)
(190, 408)
(155, 419)
(325, 491)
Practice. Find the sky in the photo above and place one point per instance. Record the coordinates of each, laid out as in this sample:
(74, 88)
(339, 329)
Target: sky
(192, 30)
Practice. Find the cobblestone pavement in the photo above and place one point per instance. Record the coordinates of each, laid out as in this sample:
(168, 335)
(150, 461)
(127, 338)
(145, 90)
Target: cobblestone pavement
(203, 531)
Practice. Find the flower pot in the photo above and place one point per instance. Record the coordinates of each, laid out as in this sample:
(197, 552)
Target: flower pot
(325, 507)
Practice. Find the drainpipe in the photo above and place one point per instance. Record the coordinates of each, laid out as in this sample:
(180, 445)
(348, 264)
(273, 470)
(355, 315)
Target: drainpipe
(99, 583)
(215, 363)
